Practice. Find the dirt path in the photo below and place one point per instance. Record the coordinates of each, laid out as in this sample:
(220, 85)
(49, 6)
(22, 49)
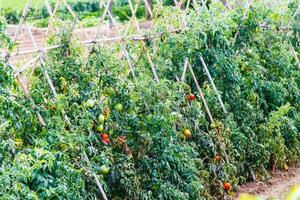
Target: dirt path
(276, 187)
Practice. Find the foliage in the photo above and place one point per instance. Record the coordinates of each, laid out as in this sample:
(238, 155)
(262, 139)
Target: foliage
(148, 156)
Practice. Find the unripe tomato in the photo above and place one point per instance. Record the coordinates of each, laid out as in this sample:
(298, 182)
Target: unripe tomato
(213, 125)
(187, 133)
(100, 128)
(191, 97)
(90, 103)
(109, 91)
(19, 143)
(104, 136)
(119, 107)
(101, 119)
(227, 186)
(104, 169)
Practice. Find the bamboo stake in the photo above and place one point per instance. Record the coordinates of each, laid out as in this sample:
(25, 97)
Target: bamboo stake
(35, 45)
(26, 93)
(213, 85)
(96, 178)
(22, 20)
(7, 57)
(52, 88)
(133, 11)
(148, 7)
(93, 42)
(184, 69)
(295, 55)
(97, 32)
(200, 93)
(49, 9)
(27, 65)
(74, 16)
(52, 15)
(102, 18)
(49, 81)
(123, 47)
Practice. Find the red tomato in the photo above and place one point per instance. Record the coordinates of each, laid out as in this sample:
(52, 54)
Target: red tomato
(104, 136)
(106, 141)
(191, 97)
(227, 186)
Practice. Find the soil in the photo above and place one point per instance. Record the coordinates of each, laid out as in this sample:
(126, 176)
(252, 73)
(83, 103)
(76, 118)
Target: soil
(276, 187)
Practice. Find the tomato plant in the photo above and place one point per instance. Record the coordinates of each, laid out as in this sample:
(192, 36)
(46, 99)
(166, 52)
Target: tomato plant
(150, 140)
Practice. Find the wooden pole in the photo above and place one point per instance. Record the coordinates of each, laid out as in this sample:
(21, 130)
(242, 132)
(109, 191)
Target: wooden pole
(52, 88)
(213, 85)
(295, 55)
(26, 93)
(133, 11)
(110, 7)
(7, 57)
(148, 9)
(184, 69)
(200, 93)
(96, 178)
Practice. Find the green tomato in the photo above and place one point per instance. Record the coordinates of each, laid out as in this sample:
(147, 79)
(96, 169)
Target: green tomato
(104, 170)
(90, 103)
(109, 91)
(173, 115)
(100, 128)
(101, 119)
(213, 126)
(119, 107)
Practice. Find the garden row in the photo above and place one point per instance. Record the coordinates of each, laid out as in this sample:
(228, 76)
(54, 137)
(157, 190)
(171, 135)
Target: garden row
(153, 140)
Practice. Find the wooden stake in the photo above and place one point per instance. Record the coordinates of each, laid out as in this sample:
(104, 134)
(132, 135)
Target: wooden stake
(184, 69)
(295, 55)
(200, 93)
(96, 178)
(133, 11)
(213, 85)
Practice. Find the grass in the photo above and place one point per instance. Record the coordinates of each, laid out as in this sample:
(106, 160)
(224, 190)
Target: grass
(19, 4)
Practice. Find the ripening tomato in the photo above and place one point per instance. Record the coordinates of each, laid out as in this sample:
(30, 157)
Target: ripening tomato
(187, 133)
(227, 186)
(218, 158)
(104, 136)
(191, 97)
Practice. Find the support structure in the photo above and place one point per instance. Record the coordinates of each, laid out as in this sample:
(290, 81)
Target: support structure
(213, 85)
(201, 93)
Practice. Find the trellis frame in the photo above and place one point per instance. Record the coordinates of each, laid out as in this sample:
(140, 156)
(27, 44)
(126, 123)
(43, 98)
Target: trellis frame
(121, 39)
